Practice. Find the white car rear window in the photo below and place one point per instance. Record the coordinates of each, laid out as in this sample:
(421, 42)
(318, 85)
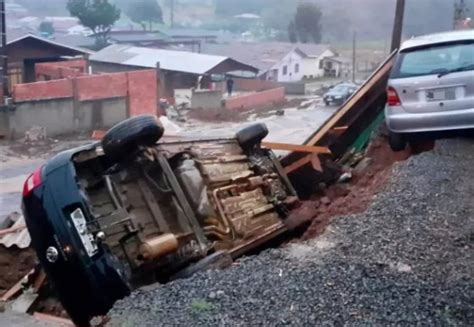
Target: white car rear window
(435, 60)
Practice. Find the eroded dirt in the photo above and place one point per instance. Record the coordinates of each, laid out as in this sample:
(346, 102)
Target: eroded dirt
(15, 263)
(356, 195)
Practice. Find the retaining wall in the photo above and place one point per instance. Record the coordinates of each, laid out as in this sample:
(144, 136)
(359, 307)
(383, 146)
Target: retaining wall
(258, 85)
(59, 117)
(206, 99)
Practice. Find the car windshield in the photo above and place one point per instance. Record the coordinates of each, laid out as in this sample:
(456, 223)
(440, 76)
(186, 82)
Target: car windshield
(340, 88)
(435, 60)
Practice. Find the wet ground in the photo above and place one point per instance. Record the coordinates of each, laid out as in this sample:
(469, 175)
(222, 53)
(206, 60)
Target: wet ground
(18, 160)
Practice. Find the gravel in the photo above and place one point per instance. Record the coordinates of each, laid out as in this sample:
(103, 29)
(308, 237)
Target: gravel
(406, 261)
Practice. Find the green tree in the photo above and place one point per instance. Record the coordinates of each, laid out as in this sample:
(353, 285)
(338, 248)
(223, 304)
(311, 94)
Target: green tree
(307, 23)
(46, 27)
(145, 12)
(97, 15)
(292, 33)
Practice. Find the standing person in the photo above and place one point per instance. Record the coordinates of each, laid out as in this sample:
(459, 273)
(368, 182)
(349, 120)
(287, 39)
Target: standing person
(230, 85)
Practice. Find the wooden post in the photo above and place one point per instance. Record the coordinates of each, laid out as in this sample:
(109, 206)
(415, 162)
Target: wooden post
(4, 54)
(158, 88)
(354, 64)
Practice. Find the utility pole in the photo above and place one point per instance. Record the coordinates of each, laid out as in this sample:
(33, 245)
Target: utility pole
(171, 13)
(3, 51)
(460, 13)
(398, 25)
(354, 63)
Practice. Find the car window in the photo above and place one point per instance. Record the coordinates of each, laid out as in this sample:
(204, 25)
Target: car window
(340, 88)
(435, 60)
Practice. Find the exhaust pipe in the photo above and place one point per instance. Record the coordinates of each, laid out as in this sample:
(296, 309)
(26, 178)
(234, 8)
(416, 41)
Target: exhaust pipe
(158, 247)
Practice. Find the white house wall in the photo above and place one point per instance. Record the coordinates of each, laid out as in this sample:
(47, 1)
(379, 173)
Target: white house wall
(290, 61)
(308, 66)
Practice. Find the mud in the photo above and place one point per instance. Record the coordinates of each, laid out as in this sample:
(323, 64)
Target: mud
(357, 195)
(15, 263)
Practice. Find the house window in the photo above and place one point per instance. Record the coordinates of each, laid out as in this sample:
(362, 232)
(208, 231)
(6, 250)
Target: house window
(321, 64)
(297, 68)
(285, 70)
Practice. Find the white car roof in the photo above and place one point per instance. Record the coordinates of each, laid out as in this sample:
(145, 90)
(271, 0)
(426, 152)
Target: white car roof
(453, 36)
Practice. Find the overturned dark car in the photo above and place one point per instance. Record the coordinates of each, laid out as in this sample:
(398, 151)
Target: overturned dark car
(132, 210)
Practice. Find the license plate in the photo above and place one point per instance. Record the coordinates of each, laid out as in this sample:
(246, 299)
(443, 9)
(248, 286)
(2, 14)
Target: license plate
(441, 95)
(87, 239)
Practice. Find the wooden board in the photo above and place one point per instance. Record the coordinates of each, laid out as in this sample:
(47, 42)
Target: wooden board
(15, 288)
(297, 148)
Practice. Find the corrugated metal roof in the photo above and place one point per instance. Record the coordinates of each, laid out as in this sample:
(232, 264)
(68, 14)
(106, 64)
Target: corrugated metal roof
(180, 61)
(21, 238)
(39, 38)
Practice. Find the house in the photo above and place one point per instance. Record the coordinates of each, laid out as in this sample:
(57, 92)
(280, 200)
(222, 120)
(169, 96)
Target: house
(282, 62)
(24, 52)
(179, 69)
(304, 61)
(337, 66)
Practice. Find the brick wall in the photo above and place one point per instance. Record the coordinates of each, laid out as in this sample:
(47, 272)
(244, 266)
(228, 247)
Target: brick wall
(143, 92)
(61, 88)
(60, 69)
(140, 87)
(256, 100)
(94, 87)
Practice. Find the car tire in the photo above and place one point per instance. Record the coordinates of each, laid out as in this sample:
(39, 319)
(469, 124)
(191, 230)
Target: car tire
(326, 103)
(125, 137)
(252, 135)
(397, 141)
(216, 260)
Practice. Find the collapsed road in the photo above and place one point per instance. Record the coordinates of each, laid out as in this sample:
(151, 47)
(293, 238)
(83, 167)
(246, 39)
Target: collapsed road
(406, 260)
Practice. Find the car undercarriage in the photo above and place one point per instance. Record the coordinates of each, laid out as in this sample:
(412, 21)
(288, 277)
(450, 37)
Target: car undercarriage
(174, 203)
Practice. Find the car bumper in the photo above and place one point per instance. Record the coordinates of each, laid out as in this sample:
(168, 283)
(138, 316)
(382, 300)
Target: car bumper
(84, 284)
(400, 121)
(330, 99)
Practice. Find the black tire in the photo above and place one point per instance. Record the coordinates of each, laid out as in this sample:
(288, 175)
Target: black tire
(217, 260)
(252, 135)
(397, 141)
(125, 137)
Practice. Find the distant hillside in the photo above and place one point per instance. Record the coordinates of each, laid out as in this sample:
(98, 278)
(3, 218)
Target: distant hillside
(45, 7)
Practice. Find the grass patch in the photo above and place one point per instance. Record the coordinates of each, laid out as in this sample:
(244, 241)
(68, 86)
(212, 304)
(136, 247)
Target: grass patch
(201, 306)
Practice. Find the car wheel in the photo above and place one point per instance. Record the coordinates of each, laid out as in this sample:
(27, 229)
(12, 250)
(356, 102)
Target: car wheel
(217, 260)
(125, 137)
(397, 141)
(252, 135)
(326, 103)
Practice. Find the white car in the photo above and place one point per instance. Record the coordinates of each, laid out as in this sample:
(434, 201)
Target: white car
(431, 87)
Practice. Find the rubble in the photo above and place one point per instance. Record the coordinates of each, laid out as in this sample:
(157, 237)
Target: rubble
(35, 134)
